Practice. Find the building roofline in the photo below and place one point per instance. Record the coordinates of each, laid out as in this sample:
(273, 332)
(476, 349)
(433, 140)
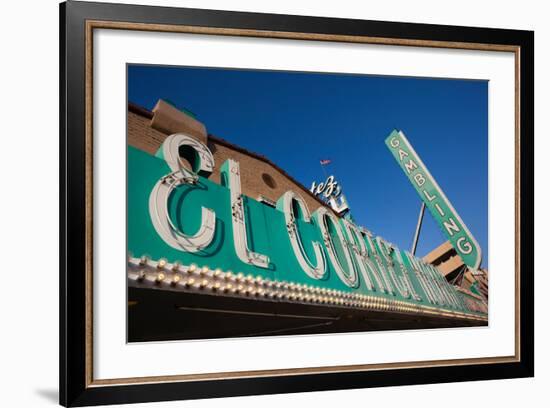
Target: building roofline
(139, 110)
(134, 108)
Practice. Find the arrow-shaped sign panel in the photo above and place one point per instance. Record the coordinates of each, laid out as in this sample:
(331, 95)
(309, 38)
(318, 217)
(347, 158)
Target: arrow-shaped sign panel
(439, 205)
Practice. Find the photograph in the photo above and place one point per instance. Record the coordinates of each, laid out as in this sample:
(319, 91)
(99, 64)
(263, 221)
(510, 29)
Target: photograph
(258, 203)
(283, 203)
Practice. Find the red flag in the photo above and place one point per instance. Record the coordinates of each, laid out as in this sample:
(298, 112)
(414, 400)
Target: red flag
(325, 162)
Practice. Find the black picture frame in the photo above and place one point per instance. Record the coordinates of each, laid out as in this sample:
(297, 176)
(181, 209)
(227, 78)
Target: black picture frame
(77, 387)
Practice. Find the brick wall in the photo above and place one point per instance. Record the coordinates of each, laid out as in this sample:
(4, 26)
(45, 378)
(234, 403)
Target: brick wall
(254, 171)
(142, 135)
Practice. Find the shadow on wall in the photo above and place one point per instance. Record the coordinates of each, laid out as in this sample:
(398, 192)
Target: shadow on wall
(51, 395)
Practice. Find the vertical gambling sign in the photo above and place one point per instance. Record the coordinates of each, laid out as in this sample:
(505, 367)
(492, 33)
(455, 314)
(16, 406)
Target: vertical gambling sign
(439, 205)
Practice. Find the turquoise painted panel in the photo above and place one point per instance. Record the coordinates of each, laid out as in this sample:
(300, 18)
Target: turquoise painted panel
(266, 229)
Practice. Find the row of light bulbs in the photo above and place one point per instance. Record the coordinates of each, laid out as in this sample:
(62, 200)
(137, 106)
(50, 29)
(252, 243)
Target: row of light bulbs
(193, 277)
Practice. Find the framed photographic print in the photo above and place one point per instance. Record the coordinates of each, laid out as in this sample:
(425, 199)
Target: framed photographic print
(255, 203)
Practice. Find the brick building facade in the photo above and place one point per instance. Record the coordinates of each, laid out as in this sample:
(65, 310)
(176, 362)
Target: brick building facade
(261, 179)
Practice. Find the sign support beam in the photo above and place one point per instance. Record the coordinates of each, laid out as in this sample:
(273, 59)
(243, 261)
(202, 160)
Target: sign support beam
(418, 228)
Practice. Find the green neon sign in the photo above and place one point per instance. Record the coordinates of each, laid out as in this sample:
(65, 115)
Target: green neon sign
(437, 202)
(213, 225)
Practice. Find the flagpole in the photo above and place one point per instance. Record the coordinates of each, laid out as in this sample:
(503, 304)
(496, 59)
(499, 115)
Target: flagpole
(336, 199)
(323, 168)
(324, 171)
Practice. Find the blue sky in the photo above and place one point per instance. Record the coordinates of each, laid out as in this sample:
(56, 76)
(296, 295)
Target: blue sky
(296, 119)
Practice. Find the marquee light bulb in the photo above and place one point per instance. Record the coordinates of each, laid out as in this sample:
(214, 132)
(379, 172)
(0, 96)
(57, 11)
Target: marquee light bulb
(256, 285)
